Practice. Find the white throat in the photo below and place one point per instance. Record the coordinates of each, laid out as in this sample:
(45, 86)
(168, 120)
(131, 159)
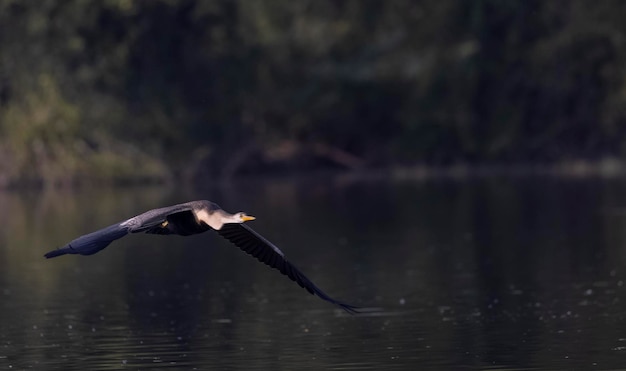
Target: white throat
(215, 220)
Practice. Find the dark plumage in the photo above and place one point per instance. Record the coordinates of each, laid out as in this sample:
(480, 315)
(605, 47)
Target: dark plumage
(192, 218)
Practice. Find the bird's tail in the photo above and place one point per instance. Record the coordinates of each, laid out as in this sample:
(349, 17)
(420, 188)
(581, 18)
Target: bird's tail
(91, 243)
(57, 252)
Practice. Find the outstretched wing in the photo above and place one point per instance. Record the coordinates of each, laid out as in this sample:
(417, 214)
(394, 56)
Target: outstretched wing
(266, 252)
(93, 242)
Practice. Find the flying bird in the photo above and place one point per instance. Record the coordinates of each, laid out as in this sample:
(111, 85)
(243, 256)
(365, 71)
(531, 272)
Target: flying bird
(192, 218)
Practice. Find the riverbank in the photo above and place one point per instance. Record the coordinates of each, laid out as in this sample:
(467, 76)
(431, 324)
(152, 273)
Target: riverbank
(606, 168)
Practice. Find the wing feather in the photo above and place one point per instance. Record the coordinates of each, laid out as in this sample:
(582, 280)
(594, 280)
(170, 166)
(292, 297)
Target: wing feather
(266, 252)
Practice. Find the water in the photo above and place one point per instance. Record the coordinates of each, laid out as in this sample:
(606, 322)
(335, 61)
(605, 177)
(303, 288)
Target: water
(522, 273)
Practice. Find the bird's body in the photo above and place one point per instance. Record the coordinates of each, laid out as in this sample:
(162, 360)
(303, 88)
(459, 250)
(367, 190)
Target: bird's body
(192, 218)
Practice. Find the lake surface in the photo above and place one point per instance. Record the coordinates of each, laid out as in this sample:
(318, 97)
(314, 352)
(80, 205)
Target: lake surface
(500, 273)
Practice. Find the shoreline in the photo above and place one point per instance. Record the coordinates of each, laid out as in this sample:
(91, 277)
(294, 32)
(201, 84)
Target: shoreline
(606, 168)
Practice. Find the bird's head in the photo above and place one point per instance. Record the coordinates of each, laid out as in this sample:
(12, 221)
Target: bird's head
(241, 217)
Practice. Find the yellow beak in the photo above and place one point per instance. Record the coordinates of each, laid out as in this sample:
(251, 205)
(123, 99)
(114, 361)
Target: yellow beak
(247, 218)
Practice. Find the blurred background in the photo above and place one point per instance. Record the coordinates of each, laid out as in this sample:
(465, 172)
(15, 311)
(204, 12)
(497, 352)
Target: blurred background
(452, 272)
(134, 91)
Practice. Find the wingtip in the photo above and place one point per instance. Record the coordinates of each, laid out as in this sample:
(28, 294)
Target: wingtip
(351, 309)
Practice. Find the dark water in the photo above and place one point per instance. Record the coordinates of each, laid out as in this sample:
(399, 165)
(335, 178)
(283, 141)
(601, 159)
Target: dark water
(494, 273)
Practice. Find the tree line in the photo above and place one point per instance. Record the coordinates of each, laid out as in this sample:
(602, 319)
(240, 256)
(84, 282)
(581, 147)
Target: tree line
(126, 91)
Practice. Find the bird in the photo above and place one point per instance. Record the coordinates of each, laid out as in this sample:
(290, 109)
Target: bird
(195, 217)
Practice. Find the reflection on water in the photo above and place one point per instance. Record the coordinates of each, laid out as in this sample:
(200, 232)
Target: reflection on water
(496, 273)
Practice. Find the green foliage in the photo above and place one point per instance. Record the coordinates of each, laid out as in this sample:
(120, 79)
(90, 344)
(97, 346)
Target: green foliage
(119, 90)
(39, 134)
(42, 143)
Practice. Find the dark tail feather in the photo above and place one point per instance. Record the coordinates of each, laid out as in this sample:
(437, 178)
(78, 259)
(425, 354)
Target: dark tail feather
(91, 243)
(57, 252)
